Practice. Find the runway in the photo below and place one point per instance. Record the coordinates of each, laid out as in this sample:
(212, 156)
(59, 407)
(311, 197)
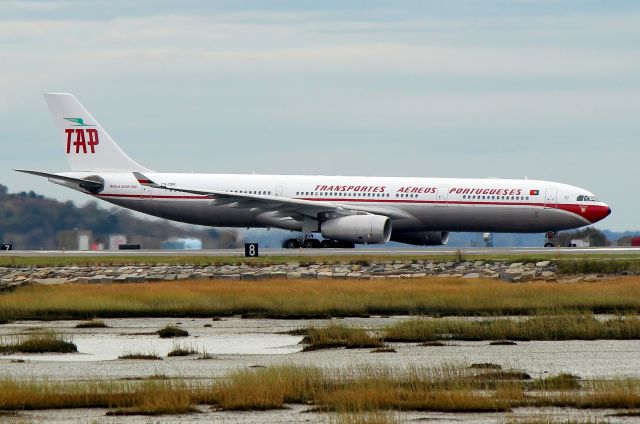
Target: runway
(427, 251)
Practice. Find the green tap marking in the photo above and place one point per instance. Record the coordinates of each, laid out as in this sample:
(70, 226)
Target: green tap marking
(79, 122)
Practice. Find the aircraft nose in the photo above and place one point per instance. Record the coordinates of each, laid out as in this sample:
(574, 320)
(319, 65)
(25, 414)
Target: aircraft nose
(594, 213)
(598, 213)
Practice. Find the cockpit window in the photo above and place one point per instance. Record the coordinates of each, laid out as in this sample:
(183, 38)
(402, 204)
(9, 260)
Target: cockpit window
(582, 198)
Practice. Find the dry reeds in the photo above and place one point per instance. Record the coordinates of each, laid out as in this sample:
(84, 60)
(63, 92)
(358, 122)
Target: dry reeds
(182, 350)
(141, 355)
(46, 342)
(313, 298)
(93, 323)
(356, 390)
(338, 335)
(542, 327)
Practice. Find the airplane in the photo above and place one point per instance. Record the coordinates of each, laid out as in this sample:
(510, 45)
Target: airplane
(352, 209)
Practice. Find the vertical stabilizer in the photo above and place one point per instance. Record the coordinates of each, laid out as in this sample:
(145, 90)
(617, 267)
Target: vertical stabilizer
(87, 145)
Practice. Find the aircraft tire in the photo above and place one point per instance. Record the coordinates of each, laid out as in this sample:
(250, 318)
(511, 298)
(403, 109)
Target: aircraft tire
(292, 244)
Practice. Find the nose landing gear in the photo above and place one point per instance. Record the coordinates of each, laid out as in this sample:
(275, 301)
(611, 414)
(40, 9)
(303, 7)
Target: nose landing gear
(549, 239)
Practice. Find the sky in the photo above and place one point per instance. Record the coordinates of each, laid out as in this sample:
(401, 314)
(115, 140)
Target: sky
(540, 89)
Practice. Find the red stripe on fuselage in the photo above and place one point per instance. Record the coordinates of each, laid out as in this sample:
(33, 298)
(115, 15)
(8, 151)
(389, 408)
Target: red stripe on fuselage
(147, 196)
(591, 213)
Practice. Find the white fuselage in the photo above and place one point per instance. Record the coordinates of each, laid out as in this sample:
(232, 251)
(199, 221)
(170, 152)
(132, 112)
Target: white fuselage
(422, 204)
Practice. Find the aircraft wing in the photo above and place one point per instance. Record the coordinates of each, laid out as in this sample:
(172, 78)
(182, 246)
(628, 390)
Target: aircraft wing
(284, 207)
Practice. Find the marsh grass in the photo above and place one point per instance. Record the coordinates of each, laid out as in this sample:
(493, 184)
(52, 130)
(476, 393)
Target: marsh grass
(363, 418)
(45, 342)
(542, 327)
(338, 335)
(160, 398)
(141, 355)
(93, 323)
(183, 350)
(318, 298)
(485, 366)
(556, 382)
(347, 391)
(170, 331)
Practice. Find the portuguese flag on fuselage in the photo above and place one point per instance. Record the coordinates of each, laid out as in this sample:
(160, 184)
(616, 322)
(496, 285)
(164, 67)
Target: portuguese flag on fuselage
(534, 192)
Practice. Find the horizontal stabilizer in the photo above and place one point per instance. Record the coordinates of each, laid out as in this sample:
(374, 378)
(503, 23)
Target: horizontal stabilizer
(86, 184)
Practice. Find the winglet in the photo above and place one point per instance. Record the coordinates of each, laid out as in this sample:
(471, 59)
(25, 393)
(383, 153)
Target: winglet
(144, 180)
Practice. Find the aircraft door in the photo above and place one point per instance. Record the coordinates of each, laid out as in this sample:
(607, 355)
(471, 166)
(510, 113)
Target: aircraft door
(551, 198)
(146, 192)
(442, 196)
(279, 190)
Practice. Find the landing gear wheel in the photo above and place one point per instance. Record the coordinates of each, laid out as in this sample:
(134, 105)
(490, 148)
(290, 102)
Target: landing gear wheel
(311, 244)
(325, 244)
(292, 244)
(549, 244)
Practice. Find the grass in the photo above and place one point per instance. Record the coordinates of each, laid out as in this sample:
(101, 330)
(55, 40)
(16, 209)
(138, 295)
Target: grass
(93, 323)
(140, 355)
(338, 335)
(313, 298)
(46, 342)
(543, 327)
(181, 350)
(346, 391)
(596, 262)
(556, 382)
(170, 331)
(367, 418)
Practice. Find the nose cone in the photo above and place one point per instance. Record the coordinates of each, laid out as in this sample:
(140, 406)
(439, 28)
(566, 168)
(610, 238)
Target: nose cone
(595, 213)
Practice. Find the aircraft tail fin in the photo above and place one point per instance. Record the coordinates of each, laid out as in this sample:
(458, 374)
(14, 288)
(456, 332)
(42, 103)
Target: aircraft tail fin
(87, 145)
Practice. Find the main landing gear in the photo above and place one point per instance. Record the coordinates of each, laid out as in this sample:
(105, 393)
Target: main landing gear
(549, 239)
(308, 242)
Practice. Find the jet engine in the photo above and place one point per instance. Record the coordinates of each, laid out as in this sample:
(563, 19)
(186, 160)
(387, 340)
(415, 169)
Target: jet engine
(370, 229)
(422, 238)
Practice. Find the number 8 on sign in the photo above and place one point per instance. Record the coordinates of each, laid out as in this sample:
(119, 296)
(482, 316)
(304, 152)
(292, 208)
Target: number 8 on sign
(251, 250)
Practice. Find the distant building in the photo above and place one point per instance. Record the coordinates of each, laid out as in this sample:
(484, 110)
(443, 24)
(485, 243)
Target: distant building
(580, 243)
(182, 244)
(74, 240)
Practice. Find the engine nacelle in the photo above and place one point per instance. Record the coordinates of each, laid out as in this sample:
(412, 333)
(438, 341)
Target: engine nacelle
(422, 238)
(370, 229)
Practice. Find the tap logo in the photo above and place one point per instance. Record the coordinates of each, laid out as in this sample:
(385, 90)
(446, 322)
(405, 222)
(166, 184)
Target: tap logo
(81, 138)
